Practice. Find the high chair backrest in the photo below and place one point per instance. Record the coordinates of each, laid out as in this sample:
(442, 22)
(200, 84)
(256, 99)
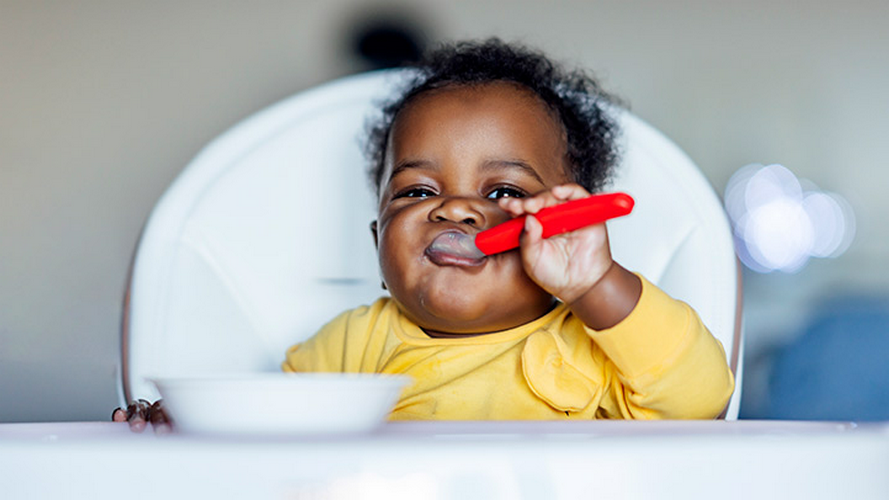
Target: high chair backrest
(265, 236)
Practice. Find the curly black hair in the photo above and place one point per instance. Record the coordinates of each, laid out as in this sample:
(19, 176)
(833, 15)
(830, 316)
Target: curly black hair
(575, 97)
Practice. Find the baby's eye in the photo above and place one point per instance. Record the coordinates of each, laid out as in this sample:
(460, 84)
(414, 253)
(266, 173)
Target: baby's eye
(506, 192)
(417, 192)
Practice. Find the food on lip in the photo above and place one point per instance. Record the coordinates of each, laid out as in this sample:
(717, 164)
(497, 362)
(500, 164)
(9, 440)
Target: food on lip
(457, 244)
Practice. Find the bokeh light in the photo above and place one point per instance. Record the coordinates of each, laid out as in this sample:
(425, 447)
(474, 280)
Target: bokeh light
(780, 221)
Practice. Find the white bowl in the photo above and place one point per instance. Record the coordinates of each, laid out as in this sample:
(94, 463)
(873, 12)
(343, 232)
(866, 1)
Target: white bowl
(280, 403)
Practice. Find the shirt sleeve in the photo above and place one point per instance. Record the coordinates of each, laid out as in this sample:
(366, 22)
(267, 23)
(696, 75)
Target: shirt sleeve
(662, 362)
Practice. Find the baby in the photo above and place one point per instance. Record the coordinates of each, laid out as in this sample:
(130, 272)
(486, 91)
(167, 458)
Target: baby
(553, 330)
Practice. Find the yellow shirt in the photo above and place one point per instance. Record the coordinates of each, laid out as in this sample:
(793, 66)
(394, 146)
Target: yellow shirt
(659, 362)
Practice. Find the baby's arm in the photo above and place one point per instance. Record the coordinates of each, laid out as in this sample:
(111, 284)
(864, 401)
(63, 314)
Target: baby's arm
(575, 267)
(663, 363)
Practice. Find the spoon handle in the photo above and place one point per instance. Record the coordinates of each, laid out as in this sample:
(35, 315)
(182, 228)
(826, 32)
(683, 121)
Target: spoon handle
(558, 219)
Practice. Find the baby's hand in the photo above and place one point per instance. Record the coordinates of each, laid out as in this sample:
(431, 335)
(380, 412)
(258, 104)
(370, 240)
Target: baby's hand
(140, 413)
(566, 265)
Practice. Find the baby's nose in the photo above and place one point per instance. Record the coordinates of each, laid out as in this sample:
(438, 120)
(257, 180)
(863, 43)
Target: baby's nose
(460, 210)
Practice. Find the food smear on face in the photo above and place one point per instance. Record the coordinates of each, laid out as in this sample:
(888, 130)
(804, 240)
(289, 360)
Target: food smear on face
(455, 248)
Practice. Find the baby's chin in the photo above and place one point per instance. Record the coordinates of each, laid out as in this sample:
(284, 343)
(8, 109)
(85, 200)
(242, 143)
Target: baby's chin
(472, 319)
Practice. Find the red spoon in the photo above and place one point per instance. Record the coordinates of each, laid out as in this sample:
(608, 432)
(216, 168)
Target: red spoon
(557, 219)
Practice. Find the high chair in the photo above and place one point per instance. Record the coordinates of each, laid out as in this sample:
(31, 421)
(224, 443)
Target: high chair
(265, 236)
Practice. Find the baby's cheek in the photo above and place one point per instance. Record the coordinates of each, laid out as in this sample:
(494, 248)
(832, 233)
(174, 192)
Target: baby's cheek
(513, 275)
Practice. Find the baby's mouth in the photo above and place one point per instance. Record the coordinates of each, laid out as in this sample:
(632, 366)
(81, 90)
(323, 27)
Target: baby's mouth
(453, 248)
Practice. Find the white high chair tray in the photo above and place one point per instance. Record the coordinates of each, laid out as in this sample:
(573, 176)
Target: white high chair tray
(461, 460)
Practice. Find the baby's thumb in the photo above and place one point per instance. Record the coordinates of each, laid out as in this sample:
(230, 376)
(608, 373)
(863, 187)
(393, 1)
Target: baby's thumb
(533, 232)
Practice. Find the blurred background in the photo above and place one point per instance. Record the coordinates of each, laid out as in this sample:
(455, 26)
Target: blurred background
(102, 103)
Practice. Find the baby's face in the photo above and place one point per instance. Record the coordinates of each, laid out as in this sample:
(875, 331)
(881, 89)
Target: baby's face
(451, 154)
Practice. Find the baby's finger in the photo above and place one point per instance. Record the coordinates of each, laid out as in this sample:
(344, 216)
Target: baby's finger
(531, 243)
(119, 415)
(568, 192)
(512, 206)
(530, 205)
(533, 232)
(540, 201)
(158, 418)
(137, 415)
(521, 206)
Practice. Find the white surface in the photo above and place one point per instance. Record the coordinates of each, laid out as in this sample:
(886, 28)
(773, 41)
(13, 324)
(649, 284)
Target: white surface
(280, 403)
(465, 461)
(265, 236)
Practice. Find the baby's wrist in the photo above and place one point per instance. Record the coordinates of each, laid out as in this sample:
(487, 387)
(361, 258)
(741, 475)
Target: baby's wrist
(572, 294)
(609, 300)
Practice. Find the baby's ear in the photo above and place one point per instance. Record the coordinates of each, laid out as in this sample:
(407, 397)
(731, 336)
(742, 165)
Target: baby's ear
(373, 230)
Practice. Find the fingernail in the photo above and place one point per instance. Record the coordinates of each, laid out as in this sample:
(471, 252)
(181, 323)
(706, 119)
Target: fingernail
(137, 425)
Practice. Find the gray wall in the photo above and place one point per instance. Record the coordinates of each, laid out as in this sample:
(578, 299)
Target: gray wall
(103, 102)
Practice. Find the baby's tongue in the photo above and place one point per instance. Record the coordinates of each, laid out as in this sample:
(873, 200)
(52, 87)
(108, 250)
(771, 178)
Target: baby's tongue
(457, 244)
